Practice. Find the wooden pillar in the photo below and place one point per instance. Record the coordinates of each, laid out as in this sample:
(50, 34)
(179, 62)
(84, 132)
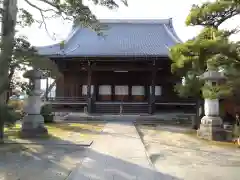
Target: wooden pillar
(96, 92)
(89, 79)
(61, 86)
(80, 90)
(152, 95)
(130, 93)
(47, 88)
(113, 92)
(146, 92)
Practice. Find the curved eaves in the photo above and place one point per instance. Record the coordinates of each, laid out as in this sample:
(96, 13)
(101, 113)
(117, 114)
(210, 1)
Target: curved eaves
(176, 40)
(48, 50)
(173, 30)
(72, 34)
(175, 34)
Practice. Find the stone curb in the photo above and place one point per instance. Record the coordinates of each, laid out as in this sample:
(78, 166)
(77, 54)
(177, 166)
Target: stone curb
(8, 148)
(73, 173)
(145, 150)
(50, 144)
(81, 121)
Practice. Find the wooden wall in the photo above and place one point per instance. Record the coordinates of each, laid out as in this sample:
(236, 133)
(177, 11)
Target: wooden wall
(75, 75)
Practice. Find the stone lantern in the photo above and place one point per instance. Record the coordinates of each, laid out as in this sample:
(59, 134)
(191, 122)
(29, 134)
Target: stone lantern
(211, 123)
(33, 122)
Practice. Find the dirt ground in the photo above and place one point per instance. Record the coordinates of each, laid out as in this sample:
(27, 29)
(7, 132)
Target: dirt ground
(175, 150)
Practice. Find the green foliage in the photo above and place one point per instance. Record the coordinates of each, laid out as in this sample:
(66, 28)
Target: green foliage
(46, 109)
(210, 49)
(213, 14)
(190, 88)
(26, 87)
(216, 92)
(183, 54)
(72, 10)
(62, 44)
(24, 55)
(195, 53)
(236, 130)
(9, 115)
(16, 104)
(26, 19)
(47, 113)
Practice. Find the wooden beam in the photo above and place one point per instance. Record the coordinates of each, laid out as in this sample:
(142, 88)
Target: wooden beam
(112, 69)
(89, 78)
(89, 96)
(153, 84)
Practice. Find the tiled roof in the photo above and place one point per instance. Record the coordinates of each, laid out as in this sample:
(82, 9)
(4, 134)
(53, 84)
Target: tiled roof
(122, 38)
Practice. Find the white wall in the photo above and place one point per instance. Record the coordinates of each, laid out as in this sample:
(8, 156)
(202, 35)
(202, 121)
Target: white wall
(158, 90)
(105, 90)
(138, 90)
(121, 90)
(84, 89)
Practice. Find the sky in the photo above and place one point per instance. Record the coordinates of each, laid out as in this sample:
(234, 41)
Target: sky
(137, 9)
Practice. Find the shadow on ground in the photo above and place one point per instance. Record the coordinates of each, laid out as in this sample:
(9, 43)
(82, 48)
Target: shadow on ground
(98, 166)
(38, 162)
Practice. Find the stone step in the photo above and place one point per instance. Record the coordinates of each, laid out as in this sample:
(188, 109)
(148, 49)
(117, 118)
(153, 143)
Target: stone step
(121, 109)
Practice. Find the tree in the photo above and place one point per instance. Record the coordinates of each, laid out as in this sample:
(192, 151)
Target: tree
(17, 53)
(213, 14)
(211, 48)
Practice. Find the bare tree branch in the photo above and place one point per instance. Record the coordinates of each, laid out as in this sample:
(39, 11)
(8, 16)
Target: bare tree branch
(43, 17)
(38, 8)
(51, 4)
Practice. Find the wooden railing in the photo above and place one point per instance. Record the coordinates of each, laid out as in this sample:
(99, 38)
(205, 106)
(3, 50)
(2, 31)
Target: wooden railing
(67, 99)
(160, 100)
(175, 100)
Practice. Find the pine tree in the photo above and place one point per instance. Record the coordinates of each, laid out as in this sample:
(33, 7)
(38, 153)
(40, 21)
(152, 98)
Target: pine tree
(211, 48)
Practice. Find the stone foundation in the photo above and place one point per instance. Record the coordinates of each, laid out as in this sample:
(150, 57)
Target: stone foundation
(40, 131)
(105, 97)
(121, 97)
(138, 98)
(211, 129)
(33, 126)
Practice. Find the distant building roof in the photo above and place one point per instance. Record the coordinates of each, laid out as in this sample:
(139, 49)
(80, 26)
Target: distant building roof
(122, 38)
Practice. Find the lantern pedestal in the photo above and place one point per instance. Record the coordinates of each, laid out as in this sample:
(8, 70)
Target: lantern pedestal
(211, 123)
(211, 129)
(33, 122)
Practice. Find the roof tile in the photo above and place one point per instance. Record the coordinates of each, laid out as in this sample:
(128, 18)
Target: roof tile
(122, 38)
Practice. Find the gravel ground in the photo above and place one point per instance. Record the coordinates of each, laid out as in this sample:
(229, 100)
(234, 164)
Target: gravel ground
(186, 157)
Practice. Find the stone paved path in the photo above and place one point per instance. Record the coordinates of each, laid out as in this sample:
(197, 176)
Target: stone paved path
(118, 154)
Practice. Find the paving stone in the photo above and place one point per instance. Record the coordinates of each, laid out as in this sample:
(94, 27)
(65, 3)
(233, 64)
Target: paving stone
(123, 145)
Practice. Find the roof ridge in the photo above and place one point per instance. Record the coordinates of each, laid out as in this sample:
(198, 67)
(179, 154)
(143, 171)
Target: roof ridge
(137, 21)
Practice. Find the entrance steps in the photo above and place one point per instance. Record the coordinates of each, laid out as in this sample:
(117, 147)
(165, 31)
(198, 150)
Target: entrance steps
(162, 118)
(121, 108)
